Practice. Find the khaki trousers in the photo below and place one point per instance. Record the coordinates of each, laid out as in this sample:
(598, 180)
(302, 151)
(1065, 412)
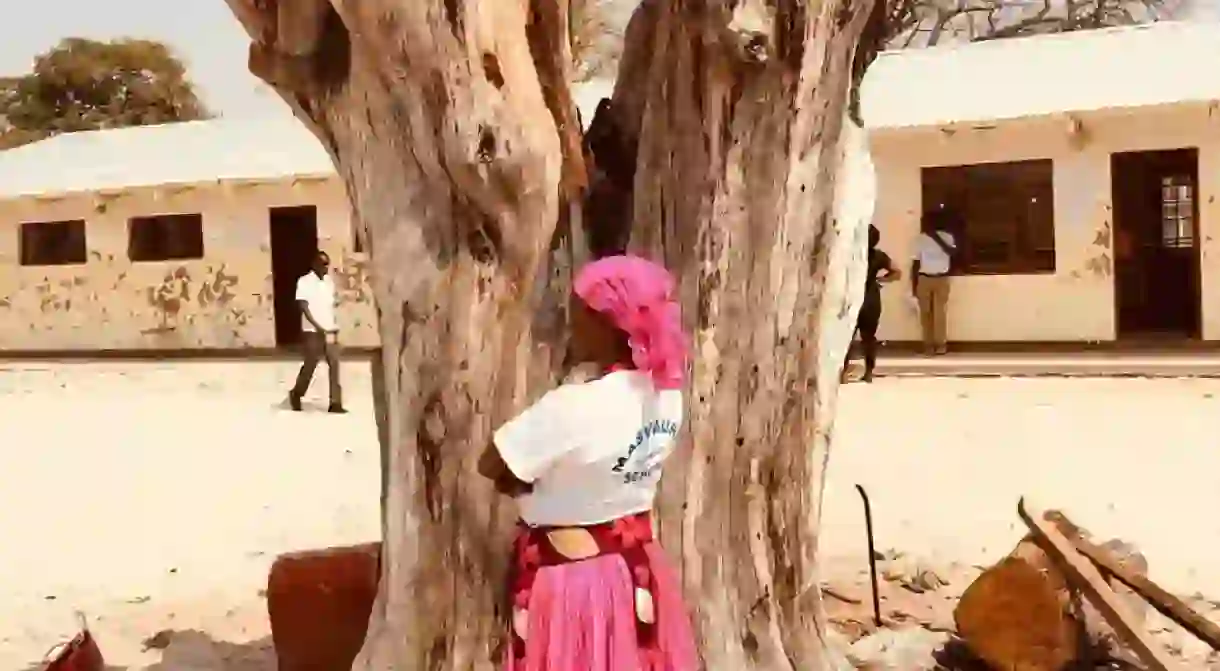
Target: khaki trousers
(316, 348)
(933, 296)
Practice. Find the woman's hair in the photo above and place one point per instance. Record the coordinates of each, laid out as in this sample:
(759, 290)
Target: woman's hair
(874, 236)
(636, 296)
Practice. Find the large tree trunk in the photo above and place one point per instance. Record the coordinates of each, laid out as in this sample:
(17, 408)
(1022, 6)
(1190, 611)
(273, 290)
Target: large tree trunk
(451, 123)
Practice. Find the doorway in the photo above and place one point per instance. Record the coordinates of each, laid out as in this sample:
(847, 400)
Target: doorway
(1156, 243)
(294, 241)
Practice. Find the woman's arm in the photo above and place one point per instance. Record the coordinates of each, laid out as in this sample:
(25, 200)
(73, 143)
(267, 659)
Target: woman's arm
(527, 445)
(492, 467)
(888, 272)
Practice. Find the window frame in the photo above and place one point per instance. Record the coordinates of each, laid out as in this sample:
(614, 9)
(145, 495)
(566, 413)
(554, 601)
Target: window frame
(1179, 228)
(1028, 238)
(194, 247)
(28, 233)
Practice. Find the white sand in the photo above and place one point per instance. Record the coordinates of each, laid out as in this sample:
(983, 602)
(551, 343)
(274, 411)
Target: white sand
(946, 460)
(155, 496)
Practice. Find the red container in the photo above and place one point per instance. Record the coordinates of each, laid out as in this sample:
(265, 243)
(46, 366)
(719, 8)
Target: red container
(319, 603)
(79, 654)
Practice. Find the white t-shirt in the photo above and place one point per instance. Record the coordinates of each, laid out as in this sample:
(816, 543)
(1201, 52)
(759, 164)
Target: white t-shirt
(932, 259)
(319, 294)
(593, 451)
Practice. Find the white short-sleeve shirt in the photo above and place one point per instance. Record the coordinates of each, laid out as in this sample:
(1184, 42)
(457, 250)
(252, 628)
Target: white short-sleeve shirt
(932, 259)
(319, 294)
(593, 451)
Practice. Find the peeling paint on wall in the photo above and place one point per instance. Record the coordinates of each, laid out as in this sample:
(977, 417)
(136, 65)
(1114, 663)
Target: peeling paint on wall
(1099, 263)
(167, 299)
(217, 289)
(223, 301)
(351, 281)
(1098, 266)
(1076, 302)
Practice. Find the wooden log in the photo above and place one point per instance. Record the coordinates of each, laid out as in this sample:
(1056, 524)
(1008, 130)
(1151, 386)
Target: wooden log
(1023, 613)
(1167, 604)
(1106, 643)
(1019, 614)
(1084, 576)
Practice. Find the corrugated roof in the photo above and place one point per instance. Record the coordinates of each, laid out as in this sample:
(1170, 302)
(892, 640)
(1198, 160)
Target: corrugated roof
(184, 153)
(180, 153)
(1154, 64)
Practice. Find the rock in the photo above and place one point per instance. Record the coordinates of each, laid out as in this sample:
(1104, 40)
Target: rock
(907, 649)
(926, 580)
(159, 641)
(912, 574)
(319, 603)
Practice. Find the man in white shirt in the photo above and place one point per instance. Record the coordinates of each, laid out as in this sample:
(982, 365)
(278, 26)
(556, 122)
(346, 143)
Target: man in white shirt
(935, 250)
(319, 332)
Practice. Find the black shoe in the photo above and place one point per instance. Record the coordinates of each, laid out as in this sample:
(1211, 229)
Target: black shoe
(294, 402)
(868, 377)
(336, 410)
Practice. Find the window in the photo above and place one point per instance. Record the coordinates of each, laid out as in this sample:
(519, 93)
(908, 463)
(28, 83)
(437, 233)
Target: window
(1177, 212)
(165, 237)
(52, 243)
(1007, 212)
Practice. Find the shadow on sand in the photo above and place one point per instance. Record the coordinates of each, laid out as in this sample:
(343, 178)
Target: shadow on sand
(196, 651)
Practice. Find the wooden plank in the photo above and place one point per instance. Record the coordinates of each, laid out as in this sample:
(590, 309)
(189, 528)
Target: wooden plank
(1081, 573)
(1167, 604)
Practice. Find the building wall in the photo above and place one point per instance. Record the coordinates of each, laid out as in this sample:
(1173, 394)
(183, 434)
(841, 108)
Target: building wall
(222, 301)
(1077, 302)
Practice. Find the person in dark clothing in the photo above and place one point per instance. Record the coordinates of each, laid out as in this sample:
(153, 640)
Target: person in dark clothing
(881, 270)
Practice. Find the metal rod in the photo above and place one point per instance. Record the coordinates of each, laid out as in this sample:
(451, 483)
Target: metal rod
(872, 555)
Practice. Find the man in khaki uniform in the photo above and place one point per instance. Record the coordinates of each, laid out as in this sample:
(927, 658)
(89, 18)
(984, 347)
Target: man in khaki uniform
(935, 249)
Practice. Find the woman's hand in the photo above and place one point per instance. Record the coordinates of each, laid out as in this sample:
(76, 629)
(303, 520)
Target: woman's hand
(492, 467)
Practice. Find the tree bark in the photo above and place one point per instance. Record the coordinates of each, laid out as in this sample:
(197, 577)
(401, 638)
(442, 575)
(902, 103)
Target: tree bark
(451, 124)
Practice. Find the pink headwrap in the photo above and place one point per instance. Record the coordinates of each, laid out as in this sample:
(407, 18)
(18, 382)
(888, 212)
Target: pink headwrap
(637, 296)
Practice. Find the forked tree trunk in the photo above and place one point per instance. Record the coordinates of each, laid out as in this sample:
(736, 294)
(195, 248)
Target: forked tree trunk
(451, 123)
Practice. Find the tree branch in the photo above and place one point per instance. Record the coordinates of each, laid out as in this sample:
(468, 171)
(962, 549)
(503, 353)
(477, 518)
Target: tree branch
(300, 25)
(918, 23)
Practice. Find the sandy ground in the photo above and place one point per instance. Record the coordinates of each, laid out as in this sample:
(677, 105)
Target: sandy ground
(154, 496)
(946, 460)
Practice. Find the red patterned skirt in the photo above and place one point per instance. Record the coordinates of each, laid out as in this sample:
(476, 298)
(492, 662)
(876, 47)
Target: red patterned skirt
(596, 598)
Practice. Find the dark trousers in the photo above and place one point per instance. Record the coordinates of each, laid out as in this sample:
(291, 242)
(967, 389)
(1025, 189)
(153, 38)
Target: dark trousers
(866, 325)
(316, 347)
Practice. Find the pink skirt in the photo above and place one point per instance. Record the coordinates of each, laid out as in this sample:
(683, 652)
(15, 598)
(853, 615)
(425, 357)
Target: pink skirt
(581, 617)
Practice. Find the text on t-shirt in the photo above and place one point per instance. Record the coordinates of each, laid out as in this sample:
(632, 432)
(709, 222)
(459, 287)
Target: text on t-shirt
(654, 429)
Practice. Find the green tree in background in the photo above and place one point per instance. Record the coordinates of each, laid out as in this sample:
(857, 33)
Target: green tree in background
(89, 85)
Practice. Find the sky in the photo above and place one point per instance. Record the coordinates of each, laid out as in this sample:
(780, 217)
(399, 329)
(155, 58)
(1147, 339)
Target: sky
(206, 37)
(204, 34)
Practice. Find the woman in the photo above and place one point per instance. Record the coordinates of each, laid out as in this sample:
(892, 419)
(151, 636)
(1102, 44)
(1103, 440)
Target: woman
(590, 588)
(881, 270)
